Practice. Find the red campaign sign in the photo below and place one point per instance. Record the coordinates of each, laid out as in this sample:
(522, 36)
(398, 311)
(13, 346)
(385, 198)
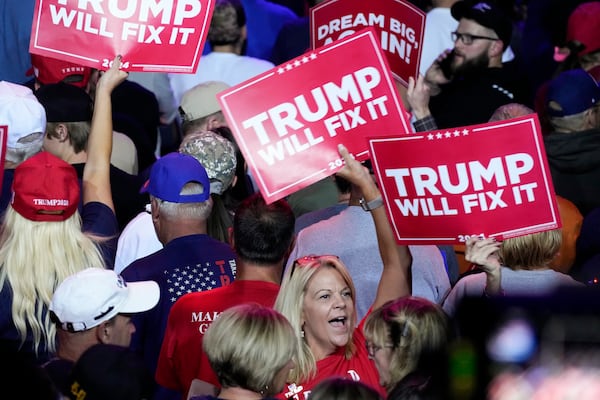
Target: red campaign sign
(488, 180)
(399, 25)
(288, 121)
(151, 35)
(3, 138)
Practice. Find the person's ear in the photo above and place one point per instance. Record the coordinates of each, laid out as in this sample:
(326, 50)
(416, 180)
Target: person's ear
(62, 132)
(291, 246)
(103, 333)
(590, 118)
(231, 237)
(213, 123)
(243, 34)
(496, 48)
(154, 209)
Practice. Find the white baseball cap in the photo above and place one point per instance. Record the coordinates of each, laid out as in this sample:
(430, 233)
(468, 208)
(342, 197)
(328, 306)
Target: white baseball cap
(23, 113)
(89, 297)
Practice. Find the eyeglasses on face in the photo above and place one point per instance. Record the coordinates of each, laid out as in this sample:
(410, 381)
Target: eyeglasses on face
(372, 349)
(467, 38)
(312, 260)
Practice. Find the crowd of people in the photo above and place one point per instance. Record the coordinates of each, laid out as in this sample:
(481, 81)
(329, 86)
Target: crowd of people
(138, 260)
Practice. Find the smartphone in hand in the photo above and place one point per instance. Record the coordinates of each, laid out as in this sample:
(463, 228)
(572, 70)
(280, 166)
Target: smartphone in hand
(446, 65)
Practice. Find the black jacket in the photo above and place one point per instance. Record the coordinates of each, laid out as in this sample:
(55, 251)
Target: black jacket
(574, 160)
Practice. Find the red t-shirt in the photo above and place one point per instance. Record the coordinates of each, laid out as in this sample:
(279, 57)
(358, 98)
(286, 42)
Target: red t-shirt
(358, 368)
(181, 357)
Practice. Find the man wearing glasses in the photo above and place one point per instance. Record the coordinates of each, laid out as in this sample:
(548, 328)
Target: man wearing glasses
(468, 83)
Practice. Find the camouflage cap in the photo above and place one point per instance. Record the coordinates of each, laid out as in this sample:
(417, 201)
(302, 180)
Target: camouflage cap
(216, 154)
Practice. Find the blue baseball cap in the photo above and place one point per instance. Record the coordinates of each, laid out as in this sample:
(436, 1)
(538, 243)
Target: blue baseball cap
(571, 92)
(171, 173)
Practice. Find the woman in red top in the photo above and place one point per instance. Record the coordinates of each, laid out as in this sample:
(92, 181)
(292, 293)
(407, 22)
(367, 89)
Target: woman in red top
(317, 296)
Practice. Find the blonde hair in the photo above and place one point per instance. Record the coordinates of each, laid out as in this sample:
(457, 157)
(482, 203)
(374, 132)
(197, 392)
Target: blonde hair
(416, 329)
(533, 251)
(35, 257)
(247, 345)
(568, 123)
(290, 301)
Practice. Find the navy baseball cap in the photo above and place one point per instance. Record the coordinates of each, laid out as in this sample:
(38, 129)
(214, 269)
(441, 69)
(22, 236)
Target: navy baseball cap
(571, 92)
(171, 173)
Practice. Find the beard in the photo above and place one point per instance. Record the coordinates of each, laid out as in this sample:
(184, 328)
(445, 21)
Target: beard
(471, 65)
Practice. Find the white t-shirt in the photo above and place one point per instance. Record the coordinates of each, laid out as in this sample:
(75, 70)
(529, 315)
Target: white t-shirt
(216, 66)
(138, 239)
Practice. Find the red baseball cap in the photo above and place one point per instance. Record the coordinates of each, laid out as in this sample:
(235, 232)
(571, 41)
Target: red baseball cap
(51, 70)
(584, 26)
(45, 188)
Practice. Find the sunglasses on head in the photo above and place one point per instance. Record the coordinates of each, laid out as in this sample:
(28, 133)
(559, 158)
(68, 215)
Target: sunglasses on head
(312, 260)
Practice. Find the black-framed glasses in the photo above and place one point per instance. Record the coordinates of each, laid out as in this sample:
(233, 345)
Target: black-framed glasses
(467, 38)
(312, 259)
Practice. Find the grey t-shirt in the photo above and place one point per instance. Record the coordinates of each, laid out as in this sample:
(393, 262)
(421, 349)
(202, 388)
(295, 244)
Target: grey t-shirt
(351, 235)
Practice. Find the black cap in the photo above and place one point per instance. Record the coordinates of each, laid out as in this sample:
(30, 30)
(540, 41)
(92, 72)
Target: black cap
(485, 13)
(65, 103)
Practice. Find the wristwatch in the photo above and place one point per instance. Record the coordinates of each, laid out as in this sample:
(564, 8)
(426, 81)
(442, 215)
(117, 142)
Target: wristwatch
(371, 205)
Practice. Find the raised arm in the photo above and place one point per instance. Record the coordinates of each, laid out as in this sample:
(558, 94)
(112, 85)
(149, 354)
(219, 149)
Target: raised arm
(417, 97)
(484, 253)
(395, 279)
(96, 173)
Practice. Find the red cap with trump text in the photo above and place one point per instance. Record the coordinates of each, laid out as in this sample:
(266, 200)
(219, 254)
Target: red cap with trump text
(45, 188)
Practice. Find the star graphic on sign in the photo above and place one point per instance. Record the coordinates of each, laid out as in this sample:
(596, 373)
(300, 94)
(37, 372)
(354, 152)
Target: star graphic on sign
(297, 63)
(465, 132)
(456, 133)
(439, 135)
(430, 136)
(280, 70)
(313, 56)
(289, 67)
(304, 59)
(447, 134)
